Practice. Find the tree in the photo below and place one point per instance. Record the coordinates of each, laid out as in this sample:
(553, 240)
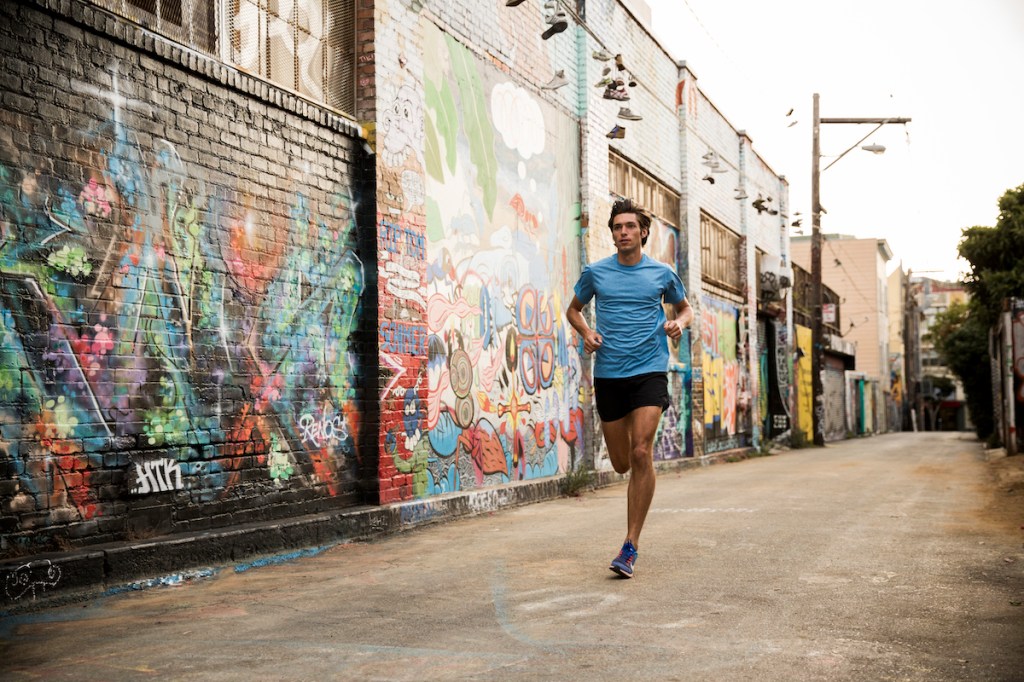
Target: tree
(997, 273)
(997, 269)
(962, 340)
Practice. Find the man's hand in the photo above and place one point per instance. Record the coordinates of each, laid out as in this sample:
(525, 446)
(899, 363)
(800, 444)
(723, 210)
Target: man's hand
(683, 317)
(674, 329)
(591, 341)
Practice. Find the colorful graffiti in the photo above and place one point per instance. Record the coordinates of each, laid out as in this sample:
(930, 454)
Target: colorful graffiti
(726, 381)
(151, 317)
(503, 375)
(762, 370)
(675, 433)
(775, 383)
(804, 381)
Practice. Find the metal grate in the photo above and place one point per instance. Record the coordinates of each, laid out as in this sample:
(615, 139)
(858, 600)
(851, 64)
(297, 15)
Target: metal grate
(189, 22)
(308, 46)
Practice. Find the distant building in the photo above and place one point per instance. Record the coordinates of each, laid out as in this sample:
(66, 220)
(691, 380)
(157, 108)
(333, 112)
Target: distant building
(941, 391)
(855, 269)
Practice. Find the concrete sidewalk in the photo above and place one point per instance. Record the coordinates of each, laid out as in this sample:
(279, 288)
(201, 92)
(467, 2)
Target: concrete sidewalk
(897, 557)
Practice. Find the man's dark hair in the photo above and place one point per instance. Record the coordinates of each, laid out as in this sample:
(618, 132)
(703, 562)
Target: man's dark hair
(628, 206)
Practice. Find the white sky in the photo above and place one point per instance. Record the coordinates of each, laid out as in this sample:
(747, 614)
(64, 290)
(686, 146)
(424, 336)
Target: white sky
(956, 67)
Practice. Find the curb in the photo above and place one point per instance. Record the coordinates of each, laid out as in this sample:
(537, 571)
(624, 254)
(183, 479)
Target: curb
(60, 578)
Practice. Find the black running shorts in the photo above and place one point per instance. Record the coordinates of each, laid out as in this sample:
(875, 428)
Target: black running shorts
(618, 397)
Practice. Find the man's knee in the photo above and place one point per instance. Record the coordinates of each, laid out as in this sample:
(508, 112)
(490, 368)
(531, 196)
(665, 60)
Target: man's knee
(641, 457)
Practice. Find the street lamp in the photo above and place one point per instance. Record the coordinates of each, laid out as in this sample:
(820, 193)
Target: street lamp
(817, 337)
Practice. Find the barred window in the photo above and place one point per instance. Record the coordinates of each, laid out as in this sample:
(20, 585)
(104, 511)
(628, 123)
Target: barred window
(189, 22)
(719, 254)
(628, 180)
(308, 46)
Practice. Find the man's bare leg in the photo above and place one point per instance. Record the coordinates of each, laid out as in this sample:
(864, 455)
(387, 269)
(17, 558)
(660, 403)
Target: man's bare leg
(616, 437)
(643, 425)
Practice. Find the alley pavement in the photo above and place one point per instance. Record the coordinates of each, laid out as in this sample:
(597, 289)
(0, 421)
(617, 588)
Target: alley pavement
(897, 557)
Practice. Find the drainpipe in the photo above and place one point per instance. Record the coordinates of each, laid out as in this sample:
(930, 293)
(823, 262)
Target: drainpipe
(1007, 372)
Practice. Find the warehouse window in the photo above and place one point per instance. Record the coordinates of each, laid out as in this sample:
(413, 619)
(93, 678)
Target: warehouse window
(627, 180)
(720, 254)
(308, 46)
(189, 22)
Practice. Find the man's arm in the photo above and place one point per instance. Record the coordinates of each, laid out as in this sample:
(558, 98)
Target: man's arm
(683, 316)
(574, 314)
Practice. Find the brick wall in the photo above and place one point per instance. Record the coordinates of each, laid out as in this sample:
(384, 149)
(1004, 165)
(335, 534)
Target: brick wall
(220, 305)
(182, 274)
(478, 210)
(729, 375)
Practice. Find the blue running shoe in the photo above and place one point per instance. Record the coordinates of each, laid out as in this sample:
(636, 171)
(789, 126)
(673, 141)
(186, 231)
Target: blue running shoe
(623, 564)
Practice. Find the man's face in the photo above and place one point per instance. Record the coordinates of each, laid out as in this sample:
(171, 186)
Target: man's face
(626, 232)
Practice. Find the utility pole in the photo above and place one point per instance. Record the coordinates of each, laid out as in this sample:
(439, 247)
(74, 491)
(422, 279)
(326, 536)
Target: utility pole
(817, 337)
(817, 334)
(910, 353)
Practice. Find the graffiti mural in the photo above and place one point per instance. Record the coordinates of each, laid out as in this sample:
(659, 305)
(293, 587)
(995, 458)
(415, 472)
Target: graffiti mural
(163, 332)
(675, 432)
(726, 382)
(500, 244)
(804, 383)
(775, 379)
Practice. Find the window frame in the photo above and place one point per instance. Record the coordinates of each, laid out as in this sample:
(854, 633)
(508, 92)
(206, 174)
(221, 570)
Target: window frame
(209, 27)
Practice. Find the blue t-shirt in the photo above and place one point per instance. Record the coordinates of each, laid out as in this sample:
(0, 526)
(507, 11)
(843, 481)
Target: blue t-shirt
(630, 317)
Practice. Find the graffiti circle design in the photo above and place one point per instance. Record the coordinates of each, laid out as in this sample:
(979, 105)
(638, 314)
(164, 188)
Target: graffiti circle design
(462, 373)
(464, 411)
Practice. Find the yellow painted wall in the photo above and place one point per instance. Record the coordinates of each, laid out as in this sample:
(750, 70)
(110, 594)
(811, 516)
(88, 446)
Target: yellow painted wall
(804, 388)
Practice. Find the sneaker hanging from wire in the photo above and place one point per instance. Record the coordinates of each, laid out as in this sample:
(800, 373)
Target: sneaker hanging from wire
(557, 81)
(604, 83)
(555, 16)
(513, 3)
(611, 92)
(626, 113)
(602, 55)
(616, 133)
(558, 24)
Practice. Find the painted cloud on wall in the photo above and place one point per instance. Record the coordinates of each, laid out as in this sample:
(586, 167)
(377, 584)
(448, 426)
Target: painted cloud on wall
(518, 119)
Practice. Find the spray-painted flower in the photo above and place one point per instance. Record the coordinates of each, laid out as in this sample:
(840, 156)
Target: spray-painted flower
(95, 199)
(103, 341)
(281, 468)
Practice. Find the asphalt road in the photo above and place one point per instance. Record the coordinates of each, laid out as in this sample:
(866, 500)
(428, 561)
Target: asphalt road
(897, 557)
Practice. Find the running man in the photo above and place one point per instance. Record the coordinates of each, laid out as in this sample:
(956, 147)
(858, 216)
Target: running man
(631, 356)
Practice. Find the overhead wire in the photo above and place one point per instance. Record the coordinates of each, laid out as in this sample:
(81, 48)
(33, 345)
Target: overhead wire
(842, 266)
